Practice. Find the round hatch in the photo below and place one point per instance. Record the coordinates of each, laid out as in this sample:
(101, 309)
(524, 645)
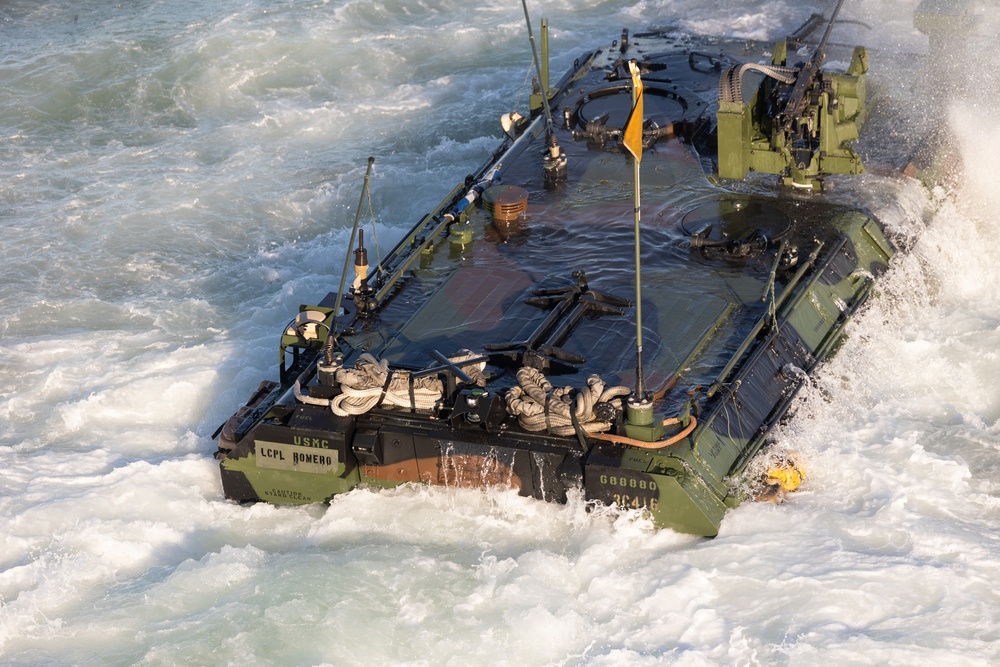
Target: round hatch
(737, 226)
(661, 105)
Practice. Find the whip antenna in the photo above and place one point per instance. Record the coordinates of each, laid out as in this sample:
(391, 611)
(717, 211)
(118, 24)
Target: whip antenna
(347, 263)
(554, 164)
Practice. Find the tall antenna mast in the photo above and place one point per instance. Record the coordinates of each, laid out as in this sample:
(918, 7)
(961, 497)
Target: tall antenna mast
(555, 161)
(640, 421)
(538, 71)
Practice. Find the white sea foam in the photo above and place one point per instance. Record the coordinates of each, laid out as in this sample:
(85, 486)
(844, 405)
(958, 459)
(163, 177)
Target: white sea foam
(177, 179)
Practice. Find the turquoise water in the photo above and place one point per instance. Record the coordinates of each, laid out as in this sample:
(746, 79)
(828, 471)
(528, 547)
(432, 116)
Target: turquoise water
(175, 178)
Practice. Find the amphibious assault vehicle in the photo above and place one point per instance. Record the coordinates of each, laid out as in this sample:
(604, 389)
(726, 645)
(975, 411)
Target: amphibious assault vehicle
(624, 298)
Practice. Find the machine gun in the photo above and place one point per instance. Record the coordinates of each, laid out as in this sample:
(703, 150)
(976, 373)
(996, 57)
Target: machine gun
(799, 120)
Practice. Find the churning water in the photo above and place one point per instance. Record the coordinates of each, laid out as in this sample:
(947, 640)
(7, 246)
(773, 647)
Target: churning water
(176, 177)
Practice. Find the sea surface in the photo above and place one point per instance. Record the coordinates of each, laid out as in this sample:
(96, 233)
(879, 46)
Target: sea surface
(176, 177)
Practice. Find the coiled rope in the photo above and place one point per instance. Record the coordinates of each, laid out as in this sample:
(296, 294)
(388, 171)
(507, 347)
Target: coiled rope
(372, 383)
(540, 407)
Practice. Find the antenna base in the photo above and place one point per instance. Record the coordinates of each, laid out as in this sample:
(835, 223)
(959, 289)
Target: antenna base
(641, 423)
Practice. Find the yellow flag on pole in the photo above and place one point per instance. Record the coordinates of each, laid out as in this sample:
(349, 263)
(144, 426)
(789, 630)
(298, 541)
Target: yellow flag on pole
(632, 134)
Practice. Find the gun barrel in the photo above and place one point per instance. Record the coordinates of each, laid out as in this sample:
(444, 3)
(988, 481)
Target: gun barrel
(795, 104)
(821, 49)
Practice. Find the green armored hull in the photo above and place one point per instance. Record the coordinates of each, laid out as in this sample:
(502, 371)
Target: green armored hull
(495, 345)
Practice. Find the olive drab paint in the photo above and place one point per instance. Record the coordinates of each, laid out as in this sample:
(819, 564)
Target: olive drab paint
(501, 353)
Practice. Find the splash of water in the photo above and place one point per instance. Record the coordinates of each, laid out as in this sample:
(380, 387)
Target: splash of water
(176, 179)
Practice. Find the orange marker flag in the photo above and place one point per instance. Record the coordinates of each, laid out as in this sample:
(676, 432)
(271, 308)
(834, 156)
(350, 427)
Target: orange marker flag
(632, 134)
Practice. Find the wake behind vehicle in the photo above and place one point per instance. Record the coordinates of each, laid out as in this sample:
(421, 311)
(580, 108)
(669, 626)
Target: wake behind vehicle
(605, 303)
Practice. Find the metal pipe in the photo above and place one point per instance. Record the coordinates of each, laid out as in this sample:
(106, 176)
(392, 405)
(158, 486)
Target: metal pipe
(545, 56)
(640, 382)
(350, 246)
(386, 284)
(538, 70)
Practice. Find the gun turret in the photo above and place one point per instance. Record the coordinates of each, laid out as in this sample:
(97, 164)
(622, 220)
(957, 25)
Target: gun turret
(798, 122)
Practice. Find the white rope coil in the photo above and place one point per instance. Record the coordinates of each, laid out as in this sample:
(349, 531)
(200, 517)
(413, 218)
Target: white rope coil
(372, 383)
(539, 407)
(361, 388)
